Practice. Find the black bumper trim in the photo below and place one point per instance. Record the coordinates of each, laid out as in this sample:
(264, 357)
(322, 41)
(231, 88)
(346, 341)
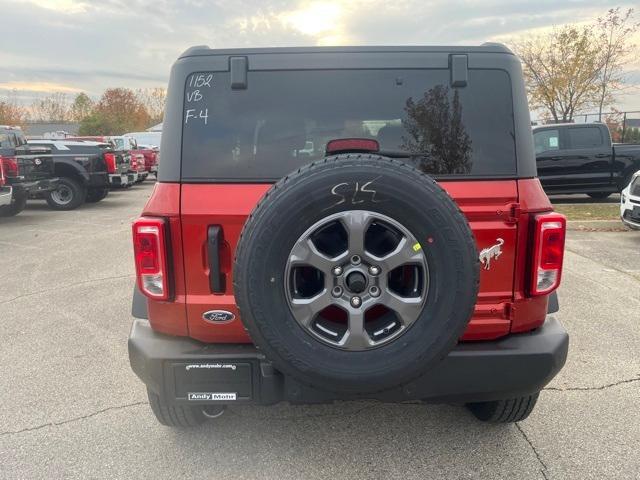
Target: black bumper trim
(513, 366)
(35, 186)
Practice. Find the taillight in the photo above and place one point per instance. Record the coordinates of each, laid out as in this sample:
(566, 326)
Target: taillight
(150, 253)
(548, 252)
(10, 166)
(3, 181)
(110, 160)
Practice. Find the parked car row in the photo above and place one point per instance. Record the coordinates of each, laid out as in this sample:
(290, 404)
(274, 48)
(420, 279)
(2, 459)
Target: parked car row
(68, 172)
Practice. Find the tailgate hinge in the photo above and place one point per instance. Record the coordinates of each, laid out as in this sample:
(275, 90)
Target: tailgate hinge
(509, 311)
(514, 213)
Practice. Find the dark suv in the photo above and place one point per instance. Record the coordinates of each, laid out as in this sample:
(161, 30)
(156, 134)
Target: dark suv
(347, 223)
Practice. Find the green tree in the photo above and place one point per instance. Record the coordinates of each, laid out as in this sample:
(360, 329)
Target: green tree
(81, 107)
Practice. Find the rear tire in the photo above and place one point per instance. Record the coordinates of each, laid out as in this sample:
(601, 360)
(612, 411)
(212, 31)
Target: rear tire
(18, 203)
(599, 195)
(96, 194)
(69, 195)
(504, 411)
(175, 415)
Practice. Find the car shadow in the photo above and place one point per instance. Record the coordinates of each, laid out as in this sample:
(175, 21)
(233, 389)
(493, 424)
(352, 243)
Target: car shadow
(351, 440)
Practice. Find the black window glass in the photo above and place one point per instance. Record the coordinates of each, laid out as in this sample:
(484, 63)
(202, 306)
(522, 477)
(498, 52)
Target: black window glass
(546, 140)
(585, 137)
(284, 120)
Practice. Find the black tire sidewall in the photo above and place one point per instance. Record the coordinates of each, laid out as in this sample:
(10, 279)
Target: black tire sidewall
(17, 205)
(412, 199)
(79, 195)
(95, 195)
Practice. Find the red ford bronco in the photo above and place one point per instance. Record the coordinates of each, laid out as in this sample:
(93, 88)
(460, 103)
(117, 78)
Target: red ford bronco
(347, 223)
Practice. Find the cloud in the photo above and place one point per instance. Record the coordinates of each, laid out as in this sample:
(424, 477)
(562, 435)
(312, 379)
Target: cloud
(38, 87)
(90, 45)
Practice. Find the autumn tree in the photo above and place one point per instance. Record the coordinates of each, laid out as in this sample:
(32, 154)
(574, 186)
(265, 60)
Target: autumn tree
(153, 99)
(118, 111)
(11, 113)
(575, 68)
(81, 107)
(52, 108)
(561, 70)
(613, 33)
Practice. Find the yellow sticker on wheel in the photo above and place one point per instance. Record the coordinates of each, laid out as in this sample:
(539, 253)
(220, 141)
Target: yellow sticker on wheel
(417, 247)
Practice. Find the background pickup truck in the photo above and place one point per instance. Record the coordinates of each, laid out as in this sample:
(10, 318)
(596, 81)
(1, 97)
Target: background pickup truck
(580, 158)
(82, 171)
(24, 170)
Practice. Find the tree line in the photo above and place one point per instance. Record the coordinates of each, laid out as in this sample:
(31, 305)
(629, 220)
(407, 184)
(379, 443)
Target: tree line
(117, 111)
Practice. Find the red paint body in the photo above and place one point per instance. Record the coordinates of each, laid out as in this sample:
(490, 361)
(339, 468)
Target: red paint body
(494, 209)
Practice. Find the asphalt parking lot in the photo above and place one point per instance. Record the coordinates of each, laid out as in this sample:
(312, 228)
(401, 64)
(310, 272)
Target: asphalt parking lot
(72, 408)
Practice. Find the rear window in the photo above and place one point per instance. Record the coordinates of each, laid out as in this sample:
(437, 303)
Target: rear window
(284, 119)
(585, 137)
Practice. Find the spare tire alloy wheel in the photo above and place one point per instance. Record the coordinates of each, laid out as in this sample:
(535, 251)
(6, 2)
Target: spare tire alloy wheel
(390, 279)
(356, 274)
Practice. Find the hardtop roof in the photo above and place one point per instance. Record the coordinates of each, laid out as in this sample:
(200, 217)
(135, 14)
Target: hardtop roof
(488, 47)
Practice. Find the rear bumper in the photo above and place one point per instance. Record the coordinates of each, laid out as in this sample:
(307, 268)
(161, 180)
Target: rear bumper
(36, 187)
(5, 196)
(118, 179)
(184, 371)
(630, 211)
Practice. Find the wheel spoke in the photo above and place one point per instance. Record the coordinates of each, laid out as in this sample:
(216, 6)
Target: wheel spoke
(407, 308)
(356, 337)
(403, 254)
(356, 222)
(305, 253)
(305, 309)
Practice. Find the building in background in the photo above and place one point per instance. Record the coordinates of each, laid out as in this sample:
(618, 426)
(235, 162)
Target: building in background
(51, 130)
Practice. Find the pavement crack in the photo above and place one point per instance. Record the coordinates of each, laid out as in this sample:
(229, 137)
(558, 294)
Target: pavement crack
(589, 389)
(71, 420)
(62, 287)
(543, 470)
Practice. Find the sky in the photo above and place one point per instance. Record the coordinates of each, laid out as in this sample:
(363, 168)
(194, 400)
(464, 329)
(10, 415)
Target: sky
(82, 45)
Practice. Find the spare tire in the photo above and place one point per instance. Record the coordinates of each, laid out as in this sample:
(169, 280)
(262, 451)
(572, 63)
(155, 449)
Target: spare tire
(356, 274)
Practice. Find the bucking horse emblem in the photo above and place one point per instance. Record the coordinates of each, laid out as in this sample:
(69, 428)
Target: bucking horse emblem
(491, 253)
